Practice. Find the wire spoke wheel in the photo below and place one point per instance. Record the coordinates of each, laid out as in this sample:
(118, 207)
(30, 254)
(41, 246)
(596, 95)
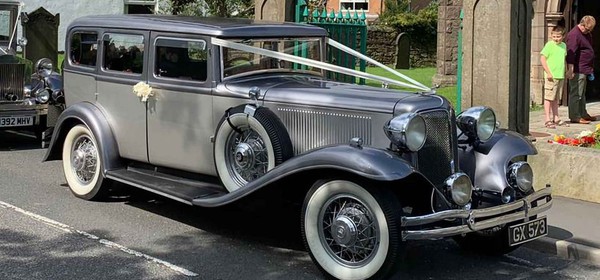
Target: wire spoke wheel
(84, 159)
(352, 231)
(248, 146)
(348, 230)
(246, 155)
(82, 164)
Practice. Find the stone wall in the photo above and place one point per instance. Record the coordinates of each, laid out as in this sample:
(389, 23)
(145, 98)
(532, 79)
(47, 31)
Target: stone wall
(381, 46)
(447, 42)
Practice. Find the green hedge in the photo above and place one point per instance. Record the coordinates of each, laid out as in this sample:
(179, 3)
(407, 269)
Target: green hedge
(421, 26)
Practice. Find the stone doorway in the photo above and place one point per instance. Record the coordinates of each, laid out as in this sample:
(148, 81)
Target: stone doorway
(573, 11)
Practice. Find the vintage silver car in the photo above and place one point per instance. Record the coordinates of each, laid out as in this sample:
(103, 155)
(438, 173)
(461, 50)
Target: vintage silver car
(30, 101)
(210, 112)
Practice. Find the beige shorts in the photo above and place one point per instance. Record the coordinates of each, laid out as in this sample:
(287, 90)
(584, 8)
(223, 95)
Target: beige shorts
(553, 90)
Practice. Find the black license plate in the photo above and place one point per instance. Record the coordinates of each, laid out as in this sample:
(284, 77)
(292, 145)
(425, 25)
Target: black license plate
(527, 231)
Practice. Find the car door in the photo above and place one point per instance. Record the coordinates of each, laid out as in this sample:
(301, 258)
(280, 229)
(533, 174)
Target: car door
(122, 56)
(180, 120)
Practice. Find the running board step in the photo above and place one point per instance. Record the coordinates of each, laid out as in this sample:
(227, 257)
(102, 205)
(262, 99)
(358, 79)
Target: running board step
(177, 189)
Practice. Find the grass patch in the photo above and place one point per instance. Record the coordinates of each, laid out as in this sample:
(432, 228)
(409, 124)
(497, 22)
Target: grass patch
(421, 75)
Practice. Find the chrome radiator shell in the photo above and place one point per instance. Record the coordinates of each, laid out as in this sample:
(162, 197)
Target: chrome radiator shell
(12, 80)
(436, 160)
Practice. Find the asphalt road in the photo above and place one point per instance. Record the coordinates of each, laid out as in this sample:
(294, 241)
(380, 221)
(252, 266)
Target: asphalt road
(47, 233)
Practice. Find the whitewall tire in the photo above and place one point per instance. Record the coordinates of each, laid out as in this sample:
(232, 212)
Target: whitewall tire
(82, 164)
(246, 147)
(350, 231)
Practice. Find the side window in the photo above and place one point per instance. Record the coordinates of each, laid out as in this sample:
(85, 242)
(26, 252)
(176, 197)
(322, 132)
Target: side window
(84, 47)
(123, 53)
(181, 59)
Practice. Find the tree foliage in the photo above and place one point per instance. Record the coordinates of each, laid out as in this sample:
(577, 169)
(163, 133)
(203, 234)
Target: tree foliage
(221, 8)
(421, 25)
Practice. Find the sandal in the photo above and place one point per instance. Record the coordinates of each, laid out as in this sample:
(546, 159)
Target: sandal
(549, 124)
(561, 123)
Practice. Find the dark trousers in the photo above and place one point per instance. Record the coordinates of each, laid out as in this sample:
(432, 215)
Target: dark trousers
(577, 102)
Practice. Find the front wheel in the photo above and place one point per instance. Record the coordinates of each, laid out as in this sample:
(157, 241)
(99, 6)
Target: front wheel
(352, 231)
(82, 164)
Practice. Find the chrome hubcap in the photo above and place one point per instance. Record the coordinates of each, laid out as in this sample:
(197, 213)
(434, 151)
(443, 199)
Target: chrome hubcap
(84, 159)
(246, 155)
(344, 231)
(349, 231)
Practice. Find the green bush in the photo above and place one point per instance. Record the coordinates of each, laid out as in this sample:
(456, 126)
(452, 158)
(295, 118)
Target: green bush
(420, 26)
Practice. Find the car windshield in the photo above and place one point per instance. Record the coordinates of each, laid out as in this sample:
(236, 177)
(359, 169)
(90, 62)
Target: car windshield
(5, 25)
(238, 62)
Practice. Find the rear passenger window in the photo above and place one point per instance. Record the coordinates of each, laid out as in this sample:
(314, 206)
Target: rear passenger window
(84, 47)
(123, 53)
(181, 59)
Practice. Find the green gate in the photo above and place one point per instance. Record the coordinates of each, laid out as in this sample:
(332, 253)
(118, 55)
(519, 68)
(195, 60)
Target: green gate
(348, 28)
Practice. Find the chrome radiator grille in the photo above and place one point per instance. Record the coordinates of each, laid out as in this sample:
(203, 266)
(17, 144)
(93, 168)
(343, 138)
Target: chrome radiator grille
(12, 79)
(435, 159)
(310, 129)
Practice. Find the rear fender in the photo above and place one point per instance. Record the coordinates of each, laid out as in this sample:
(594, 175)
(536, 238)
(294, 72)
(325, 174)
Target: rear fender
(91, 116)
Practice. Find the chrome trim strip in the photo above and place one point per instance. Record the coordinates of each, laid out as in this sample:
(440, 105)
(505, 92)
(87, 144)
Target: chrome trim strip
(471, 215)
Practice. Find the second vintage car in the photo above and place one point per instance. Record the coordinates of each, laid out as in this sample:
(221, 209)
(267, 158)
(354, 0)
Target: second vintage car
(211, 111)
(31, 96)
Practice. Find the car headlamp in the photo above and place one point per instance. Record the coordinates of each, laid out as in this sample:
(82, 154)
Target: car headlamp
(460, 187)
(407, 131)
(44, 65)
(42, 96)
(26, 91)
(477, 123)
(520, 175)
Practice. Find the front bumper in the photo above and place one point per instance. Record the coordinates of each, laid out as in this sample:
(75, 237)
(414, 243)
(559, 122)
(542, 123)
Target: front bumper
(478, 219)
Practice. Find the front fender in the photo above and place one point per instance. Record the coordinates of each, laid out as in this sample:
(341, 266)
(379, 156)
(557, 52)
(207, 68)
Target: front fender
(367, 162)
(91, 116)
(487, 163)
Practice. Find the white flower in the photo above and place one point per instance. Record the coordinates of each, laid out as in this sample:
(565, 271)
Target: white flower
(584, 133)
(142, 90)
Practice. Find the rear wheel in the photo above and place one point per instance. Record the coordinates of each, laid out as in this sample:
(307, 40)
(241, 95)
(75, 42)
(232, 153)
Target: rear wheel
(352, 231)
(82, 164)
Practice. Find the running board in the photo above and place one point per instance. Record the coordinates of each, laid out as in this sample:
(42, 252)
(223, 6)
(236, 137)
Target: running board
(175, 188)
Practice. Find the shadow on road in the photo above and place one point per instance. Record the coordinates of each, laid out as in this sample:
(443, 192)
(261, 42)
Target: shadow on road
(18, 140)
(276, 226)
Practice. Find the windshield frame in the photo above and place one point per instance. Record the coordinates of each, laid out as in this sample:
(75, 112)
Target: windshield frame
(13, 21)
(321, 51)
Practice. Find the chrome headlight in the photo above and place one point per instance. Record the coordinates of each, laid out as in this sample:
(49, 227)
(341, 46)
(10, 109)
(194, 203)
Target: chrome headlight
(477, 123)
(407, 131)
(508, 195)
(26, 91)
(44, 65)
(460, 188)
(520, 175)
(42, 95)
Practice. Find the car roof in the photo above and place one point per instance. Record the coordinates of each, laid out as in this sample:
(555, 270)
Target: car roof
(10, 2)
(213, 26)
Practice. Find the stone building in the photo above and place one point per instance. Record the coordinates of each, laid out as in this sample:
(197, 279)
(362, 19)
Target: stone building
(547, 14)
(69, 10)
